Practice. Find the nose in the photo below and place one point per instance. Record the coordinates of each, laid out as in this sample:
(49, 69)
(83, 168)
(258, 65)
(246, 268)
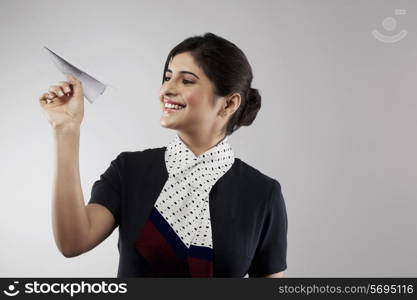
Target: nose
(169, 88)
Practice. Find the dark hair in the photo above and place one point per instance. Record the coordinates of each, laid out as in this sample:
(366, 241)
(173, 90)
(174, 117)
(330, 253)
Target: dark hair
(229, 70)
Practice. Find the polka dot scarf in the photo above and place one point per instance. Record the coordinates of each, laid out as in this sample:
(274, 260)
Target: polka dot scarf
(184, 199)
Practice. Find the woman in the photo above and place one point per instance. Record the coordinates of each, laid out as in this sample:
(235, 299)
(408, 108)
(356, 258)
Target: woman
(189, 209)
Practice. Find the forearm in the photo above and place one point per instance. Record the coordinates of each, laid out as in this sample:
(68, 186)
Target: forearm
(69, 215)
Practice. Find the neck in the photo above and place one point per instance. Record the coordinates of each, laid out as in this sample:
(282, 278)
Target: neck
(200, 143)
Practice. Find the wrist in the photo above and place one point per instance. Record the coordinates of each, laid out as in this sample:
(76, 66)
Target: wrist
(67, 129)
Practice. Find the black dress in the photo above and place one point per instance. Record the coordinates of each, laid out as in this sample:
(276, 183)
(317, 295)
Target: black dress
(247, 211)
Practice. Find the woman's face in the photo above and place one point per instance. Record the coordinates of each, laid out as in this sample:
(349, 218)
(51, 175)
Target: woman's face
(186, 84)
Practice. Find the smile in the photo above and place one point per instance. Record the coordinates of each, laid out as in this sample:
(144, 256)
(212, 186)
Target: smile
(171, 110)
(173, 107)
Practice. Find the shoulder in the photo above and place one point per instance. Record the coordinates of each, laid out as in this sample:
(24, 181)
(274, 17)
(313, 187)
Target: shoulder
(142, 156)
(134, 161)
(247, 173)
(252, 180)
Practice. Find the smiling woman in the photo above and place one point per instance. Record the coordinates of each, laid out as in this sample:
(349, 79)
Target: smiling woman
(187, 209)
(213, 77)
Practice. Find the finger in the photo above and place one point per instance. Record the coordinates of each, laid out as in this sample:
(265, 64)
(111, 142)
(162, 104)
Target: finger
(43, 99)
(71, 77)
(65, 86)
(57, 90)
(51, 95)
(48, 98)
(77, 84)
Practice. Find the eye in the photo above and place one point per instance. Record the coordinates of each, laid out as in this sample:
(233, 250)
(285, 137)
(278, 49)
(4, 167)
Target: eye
(166, 78)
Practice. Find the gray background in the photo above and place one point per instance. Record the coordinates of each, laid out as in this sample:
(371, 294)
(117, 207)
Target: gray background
(337, 126)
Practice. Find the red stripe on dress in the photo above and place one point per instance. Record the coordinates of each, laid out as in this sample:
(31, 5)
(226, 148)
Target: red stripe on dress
(200, 267)
(159, 253)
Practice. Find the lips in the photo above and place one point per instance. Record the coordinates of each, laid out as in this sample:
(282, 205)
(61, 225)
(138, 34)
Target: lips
(170, 110)
(173, 102)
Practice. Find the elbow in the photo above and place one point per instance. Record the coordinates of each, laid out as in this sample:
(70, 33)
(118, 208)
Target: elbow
(275, 275)
(69, 252)
(70, 248)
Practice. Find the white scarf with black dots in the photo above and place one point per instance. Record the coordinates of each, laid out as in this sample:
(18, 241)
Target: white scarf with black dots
(184, 199)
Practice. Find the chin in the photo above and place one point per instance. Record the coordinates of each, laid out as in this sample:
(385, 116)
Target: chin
(165, 124)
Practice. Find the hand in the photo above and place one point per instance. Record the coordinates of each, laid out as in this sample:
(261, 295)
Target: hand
(64, 103)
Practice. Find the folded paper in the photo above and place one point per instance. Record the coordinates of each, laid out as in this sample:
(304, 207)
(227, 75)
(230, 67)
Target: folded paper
(92, 87)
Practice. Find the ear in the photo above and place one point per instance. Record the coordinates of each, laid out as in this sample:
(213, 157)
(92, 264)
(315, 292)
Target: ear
(231, 104)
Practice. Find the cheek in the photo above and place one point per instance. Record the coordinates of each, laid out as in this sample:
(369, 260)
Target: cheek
(198, 100)
(193, 98)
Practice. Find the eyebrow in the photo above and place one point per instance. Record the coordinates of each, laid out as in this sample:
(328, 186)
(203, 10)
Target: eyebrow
(184, 72)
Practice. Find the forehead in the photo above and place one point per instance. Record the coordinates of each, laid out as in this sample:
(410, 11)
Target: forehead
(184, 62)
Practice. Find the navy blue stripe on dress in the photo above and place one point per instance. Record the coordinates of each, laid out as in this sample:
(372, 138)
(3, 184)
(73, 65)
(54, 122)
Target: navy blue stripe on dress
(168, 255)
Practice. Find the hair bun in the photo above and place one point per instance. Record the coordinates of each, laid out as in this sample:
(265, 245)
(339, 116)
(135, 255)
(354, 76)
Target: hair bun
(252, 94)
(251, 108)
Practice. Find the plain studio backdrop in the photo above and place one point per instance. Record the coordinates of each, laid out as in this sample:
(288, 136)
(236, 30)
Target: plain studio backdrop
(337, 127)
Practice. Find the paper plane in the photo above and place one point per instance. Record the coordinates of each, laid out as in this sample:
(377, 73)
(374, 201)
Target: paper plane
(92, 87)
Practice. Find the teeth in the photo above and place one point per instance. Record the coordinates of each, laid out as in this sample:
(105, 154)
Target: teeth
(173, 106)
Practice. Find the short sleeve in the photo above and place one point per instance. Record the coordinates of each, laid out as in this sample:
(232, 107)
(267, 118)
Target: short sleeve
(271, 253)
(107, 191)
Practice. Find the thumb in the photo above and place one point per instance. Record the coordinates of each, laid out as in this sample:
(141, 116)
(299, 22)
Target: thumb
(77, 85)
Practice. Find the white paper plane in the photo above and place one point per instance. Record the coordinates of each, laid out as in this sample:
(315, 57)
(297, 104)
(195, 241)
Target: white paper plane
(92, 87)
